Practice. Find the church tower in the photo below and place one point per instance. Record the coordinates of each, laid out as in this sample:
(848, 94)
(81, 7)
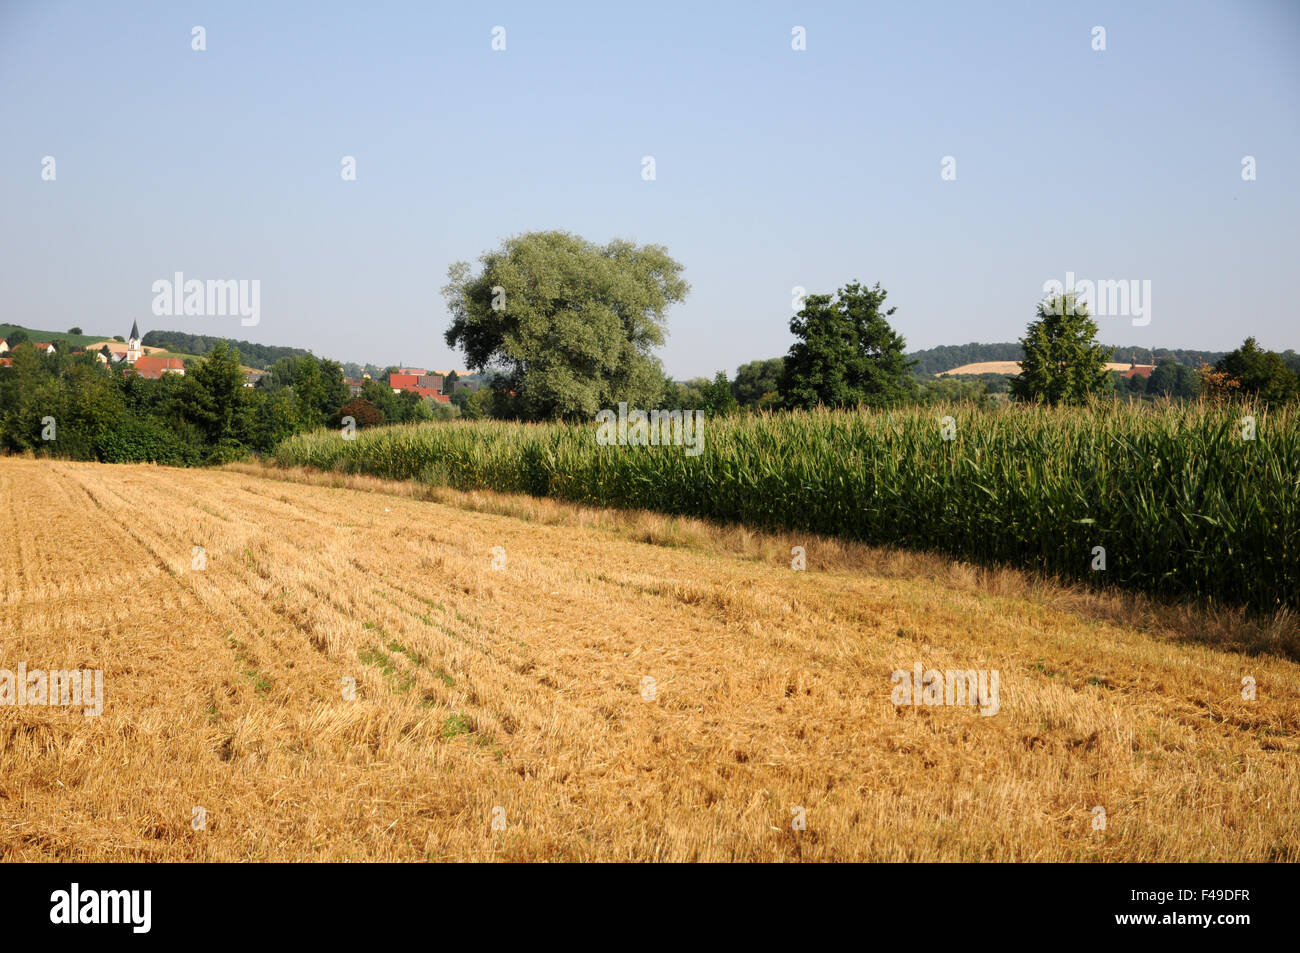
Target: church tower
(133, 349)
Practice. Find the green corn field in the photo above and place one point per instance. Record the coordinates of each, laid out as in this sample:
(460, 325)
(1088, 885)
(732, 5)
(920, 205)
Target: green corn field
(1181, 498)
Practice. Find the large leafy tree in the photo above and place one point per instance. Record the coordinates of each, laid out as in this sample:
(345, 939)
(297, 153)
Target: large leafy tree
(1171, 379)
(758, 380)
(1292, 360)
(686, 395)
(846, 355)
(716, 396)
(29, 392)
(1262, 374)
(213, 396)
(274, 414)
(317, 385)
(401, 408)
(570, 324)
(1063, 362)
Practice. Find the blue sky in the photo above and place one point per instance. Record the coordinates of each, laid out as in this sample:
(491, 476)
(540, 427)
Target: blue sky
(774, 167)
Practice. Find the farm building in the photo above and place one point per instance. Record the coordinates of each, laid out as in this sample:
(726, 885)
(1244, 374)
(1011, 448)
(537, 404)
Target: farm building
(1138, 370)
(412, 383)
(155, 367)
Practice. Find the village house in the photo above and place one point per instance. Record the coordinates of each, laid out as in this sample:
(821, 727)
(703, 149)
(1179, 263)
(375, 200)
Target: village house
(412, 383)
(132, 355)
(459, 384)
(155, 367)
(118, 352)
(1138, 370)
(42, 347)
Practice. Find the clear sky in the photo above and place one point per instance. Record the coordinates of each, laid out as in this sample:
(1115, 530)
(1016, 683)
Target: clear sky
(774, 167)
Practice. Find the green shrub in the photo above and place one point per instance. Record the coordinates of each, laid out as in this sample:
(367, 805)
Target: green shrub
(137, 440)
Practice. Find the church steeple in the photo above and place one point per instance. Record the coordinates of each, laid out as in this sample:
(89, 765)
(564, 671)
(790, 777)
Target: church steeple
(133, 349)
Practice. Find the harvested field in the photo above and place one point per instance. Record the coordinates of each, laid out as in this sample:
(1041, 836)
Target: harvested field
(522, 688)
(1010, 368)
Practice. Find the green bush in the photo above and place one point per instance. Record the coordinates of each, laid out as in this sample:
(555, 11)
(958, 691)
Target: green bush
(227, 451)
(144, 441)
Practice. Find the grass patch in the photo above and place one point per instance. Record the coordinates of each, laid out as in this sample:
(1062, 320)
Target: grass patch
(455, 724)
(261, 681)
(415, 657)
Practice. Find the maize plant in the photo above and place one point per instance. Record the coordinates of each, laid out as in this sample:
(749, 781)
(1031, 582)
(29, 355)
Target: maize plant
(1188, 500)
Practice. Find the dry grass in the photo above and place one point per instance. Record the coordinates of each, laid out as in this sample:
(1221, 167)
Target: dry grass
(521, 688)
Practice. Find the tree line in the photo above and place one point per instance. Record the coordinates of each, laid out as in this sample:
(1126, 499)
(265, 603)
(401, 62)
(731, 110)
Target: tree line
(560, 328)
(945, 357)
(68, 404)
(565, 327)
(260, 356)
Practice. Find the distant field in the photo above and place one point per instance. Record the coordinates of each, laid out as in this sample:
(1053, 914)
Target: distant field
(1006, 367)
(1181, 504)
(53, 337)
(605, 685)
(182, 355)
(97, 343)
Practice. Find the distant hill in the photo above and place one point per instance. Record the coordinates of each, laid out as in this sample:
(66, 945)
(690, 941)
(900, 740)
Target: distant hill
(259, 356)
(947, 356)
(52, 337)
(1002, 357)
(1012, 368)
(1143, 355)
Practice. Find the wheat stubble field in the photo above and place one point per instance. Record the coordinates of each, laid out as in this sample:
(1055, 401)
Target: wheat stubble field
(520, 688)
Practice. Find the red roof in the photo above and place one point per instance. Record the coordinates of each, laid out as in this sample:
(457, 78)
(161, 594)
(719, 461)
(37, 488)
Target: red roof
(6, 361)
(42, 345)
(154, 367)
(1138, 370)
(411, 382)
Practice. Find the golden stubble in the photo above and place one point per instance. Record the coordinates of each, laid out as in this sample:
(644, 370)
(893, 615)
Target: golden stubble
(523, 688)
